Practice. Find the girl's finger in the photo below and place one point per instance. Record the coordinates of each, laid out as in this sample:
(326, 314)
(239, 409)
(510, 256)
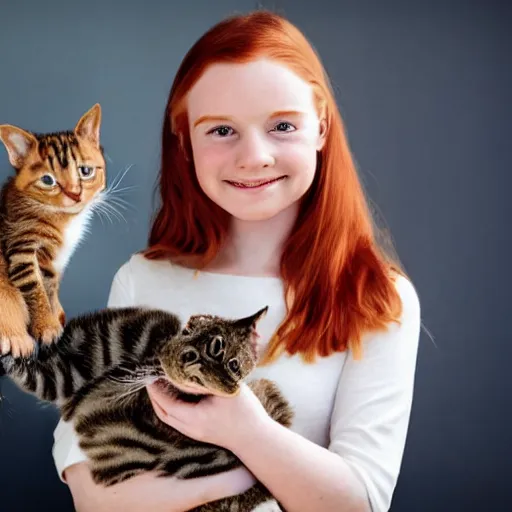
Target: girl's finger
(169, 404)
(162, 415)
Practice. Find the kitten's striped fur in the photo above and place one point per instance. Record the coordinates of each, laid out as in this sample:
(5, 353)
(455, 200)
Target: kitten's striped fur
(44, 212)
(97, 373)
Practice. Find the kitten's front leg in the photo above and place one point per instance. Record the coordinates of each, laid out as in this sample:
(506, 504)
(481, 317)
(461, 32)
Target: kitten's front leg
(14, 317)
(51, 285)
(24, 273)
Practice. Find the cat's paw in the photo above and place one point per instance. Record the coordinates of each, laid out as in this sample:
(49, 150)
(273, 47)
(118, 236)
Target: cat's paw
(17, 345)
(47, 330)
(62, 317)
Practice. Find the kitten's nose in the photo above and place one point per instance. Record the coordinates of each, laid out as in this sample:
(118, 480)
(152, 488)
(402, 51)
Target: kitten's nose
(73, 193)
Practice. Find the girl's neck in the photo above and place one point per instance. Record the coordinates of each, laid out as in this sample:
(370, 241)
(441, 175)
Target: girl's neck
(254, 248)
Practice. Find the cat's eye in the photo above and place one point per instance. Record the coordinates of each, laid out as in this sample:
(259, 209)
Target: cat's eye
(47, 180)
(234, 365)
(86, 172)
(216, 347)
(189, 356)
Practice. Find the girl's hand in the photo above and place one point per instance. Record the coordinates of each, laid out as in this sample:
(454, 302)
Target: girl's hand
(223, 421)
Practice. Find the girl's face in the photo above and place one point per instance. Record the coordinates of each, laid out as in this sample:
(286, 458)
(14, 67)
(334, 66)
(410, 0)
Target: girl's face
(255, 134)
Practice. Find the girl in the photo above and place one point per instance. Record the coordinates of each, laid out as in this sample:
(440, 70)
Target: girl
(261, 205)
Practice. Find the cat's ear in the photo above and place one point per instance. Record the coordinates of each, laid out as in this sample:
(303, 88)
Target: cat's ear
(251, 321)
(18, 143)
(196, 321)
(89, 125)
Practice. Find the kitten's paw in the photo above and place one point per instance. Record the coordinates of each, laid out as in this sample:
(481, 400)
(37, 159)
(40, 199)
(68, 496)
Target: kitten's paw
(19, 345)
(62, 317)
(47, 330)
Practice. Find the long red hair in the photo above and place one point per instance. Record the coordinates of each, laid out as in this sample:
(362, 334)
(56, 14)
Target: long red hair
(338, 280)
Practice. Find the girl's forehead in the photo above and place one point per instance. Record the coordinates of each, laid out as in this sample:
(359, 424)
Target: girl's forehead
(248, 89)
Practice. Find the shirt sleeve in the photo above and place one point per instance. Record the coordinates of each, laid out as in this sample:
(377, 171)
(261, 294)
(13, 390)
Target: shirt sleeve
(373, 403)
(66, 450)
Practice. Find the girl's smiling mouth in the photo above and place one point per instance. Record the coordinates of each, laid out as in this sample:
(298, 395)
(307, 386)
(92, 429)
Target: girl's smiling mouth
(255, 183)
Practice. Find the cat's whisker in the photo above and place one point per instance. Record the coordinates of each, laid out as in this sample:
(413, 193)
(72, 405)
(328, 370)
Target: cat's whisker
(116, 182)
(124, 189)
(121, 201)
(97, 207)
(113, 211)
(100, 208)
(116, 213)
(123, 205)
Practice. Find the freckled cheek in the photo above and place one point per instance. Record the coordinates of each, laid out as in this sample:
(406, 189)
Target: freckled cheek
(298, 160)
(211, 160)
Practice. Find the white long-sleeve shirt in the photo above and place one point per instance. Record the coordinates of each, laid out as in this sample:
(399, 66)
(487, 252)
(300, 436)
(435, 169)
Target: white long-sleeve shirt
(357, 409)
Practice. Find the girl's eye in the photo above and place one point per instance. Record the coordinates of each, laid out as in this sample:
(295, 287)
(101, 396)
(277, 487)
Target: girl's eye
(284, 127)
(222, 131)
(48, 180)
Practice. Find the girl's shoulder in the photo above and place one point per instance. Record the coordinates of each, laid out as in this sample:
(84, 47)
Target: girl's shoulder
(408, 295)
(139, 267)
(140, 272)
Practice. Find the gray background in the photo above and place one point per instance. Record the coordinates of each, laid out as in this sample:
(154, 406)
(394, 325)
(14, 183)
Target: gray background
(424, 88)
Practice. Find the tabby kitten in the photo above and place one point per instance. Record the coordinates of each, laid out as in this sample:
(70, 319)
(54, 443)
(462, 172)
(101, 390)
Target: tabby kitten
(97, 374)
(44, 212)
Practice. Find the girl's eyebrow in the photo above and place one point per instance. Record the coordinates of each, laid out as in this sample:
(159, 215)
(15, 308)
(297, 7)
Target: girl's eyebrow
(278, 113)
(209, 119)
(288, 113)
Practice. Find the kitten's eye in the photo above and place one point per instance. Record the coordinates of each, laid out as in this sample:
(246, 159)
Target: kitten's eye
(47, 180)
(86, 172)
(234, 365)
(189, 357)
(216, 347)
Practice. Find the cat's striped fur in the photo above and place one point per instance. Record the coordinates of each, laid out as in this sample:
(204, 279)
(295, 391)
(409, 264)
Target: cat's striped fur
(44, 212)
(97, 373)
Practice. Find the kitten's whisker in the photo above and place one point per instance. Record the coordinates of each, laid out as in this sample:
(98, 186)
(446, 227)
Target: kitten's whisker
(120, 201)
(114, 212)
(116, 182)
(123, 205)
(124, 189)
(102, 211)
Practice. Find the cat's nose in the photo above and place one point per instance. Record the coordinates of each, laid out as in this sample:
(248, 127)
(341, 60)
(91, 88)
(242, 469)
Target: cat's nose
(73, 193)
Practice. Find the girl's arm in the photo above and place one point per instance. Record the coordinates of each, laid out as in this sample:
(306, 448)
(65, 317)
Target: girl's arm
(150, 492)
(145, 492)
(359, 470)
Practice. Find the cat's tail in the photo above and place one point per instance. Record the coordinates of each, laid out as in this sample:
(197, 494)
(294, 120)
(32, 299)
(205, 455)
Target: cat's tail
(89, 345)
(52, 372)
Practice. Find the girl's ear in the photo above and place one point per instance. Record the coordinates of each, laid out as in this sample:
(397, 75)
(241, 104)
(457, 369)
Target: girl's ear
(322, 134)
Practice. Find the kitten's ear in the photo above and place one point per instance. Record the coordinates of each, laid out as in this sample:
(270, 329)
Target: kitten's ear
(251, 321)
(89, 125)
(18, 143)
(195, 321)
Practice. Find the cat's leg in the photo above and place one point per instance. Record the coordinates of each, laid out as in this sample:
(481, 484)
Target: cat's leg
(24, 273)
(51, 285)
(14, 318)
